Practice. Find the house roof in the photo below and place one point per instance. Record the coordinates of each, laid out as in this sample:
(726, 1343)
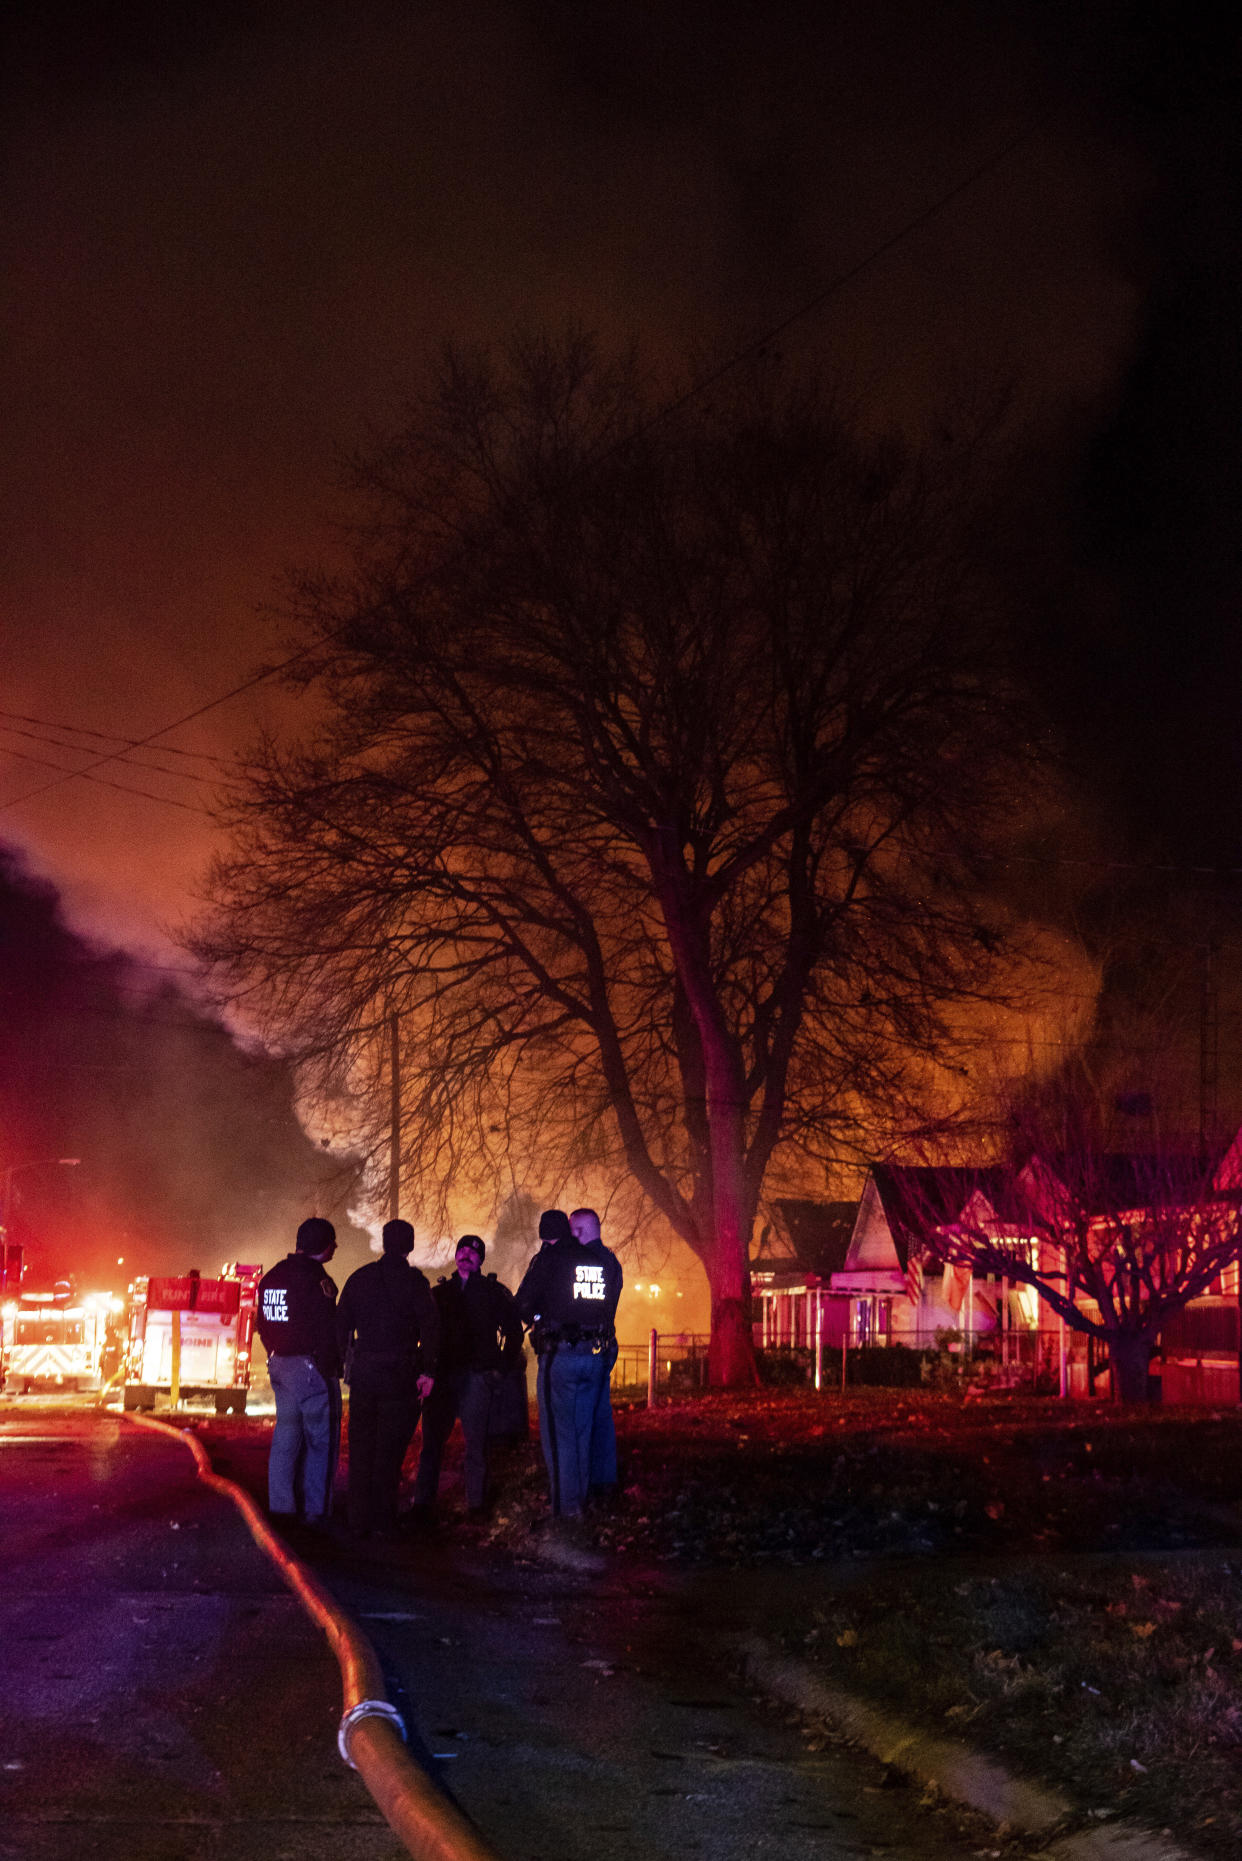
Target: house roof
(919, 1198)
(916, 1199)
(811, 1237)
(1113, 1182)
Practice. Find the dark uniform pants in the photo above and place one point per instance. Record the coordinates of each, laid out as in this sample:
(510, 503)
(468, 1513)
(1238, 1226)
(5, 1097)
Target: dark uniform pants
(604, 1428)
(470, 1395)
(575, 1423)
(381, 1427)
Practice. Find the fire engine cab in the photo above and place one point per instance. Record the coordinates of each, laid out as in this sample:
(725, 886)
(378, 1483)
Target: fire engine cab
(190, 1336)
(54, 1340)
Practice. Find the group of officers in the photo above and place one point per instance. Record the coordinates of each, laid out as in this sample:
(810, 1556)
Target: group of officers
(447, 1353)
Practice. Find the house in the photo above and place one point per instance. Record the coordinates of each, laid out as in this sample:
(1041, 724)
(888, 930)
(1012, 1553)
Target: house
(899, 1293)
(1199, 1350)
(896, 1295)
(801, 1246)
(859, 1263)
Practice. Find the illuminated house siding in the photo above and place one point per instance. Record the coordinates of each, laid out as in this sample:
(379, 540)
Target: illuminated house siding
(900, 1205)
(801, 1244)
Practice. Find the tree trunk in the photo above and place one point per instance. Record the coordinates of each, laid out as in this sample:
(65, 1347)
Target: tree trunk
(731, 1353)
(1131, 1361)
(731, 1357)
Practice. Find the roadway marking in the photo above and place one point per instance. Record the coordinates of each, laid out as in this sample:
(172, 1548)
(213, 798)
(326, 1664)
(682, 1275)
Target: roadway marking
(14, 1440)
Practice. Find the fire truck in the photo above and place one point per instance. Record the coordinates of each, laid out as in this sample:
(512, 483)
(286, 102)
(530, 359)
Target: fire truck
(55, 1340)
(190, 1337)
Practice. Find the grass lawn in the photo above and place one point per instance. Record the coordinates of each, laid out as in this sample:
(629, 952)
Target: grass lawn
(1057, 1583)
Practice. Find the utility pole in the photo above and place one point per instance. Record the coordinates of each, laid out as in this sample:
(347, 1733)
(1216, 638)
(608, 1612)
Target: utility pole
(6, 1205)
(394, 1154)
(1209, 1049)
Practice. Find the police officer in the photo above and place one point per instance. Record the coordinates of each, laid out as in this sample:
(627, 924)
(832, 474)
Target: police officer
(480, 1339)
(584, 1225)
(389, 1332)
(569, 1298)
(297, 1323)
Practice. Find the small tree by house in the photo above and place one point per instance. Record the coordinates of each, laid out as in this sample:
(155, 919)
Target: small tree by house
(1114, 1241)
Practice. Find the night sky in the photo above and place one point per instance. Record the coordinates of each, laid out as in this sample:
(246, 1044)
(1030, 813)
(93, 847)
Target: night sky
(235, 235)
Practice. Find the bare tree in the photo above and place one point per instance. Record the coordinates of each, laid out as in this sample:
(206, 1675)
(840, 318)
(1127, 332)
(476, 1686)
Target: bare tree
(655, 752)
(1115, 1240)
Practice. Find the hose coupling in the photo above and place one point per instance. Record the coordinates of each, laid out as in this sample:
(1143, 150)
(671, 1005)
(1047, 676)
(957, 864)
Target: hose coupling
(366, 1709)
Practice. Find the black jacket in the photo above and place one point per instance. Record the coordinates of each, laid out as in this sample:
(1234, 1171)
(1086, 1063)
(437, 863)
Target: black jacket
(479, 1325)
(296, 1316)
(571, 1286)
(388, 1326)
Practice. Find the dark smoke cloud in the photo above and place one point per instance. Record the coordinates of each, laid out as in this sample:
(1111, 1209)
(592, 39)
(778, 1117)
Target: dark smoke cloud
(235, 233)
(190, 1152)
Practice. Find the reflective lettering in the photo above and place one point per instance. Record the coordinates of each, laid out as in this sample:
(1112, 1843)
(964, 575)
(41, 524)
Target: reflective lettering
(274, 1308)
(589, 1283)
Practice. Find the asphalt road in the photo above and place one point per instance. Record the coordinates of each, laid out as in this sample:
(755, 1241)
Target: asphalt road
(590, 1719)
(165, 1697)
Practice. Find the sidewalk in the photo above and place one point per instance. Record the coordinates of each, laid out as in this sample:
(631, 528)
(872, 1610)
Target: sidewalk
(165, 1697)
(592, 1711)
(755, 1614)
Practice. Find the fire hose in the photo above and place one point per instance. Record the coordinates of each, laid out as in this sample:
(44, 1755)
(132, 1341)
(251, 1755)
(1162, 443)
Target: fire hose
(371, 1738)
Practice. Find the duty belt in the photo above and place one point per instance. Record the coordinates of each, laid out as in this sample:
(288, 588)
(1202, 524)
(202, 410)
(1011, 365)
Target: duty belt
(547, 1336)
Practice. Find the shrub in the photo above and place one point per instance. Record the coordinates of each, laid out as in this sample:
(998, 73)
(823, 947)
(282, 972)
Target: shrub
(778, 1369)
(885, 1366)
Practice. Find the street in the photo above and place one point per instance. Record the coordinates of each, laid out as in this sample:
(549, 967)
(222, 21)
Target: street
(165, 1697)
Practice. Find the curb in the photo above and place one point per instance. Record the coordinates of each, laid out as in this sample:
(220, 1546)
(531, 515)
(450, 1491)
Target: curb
(955, 1768)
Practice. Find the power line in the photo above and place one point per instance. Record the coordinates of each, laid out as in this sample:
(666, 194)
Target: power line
(1052, 860)
(79, 749)
(102, 781)
(842, 278)
(159, 969)
(111, 736)
(178, 723)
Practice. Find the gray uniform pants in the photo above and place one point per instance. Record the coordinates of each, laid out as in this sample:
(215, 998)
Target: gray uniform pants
(305, 1441)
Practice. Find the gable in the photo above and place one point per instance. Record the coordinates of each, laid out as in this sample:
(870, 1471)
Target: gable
(873, 1247)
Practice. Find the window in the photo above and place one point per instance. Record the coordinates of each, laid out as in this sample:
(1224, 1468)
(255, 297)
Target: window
(40, 1328)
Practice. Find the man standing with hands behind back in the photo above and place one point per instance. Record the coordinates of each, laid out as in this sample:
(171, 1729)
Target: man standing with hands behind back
(389, 1332)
